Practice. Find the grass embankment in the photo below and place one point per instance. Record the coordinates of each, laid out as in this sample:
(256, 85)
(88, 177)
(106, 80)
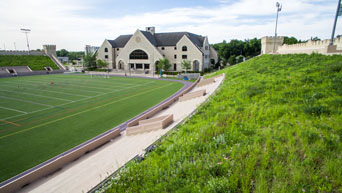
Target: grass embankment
(34, 62)
(274, 126)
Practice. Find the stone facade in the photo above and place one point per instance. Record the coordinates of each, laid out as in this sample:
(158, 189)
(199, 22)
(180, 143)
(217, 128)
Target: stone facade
(321, 47)
(176, 47)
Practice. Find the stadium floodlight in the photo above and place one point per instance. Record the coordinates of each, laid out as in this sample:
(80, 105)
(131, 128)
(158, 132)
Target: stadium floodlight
(26, 31)
(279, 7)
(338, 13)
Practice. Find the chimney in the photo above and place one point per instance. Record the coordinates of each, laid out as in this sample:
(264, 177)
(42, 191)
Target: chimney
(152, 30)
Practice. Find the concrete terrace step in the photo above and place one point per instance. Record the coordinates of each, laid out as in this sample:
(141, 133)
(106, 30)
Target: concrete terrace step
(192, 95)
(150, 125)
(206, 82)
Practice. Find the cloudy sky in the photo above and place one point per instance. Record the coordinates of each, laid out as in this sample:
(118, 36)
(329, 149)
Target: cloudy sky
(71, 24)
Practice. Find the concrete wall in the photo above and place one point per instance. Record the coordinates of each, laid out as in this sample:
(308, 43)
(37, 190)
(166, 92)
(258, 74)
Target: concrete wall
(267, 44)
(50, 50)
(309, 47)
(21, 52)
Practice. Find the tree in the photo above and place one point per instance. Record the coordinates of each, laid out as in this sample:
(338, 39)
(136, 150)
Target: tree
(62, 53)
(89, 61)
(290, 40)
(101, 63)
(315, 38)
(249, 47)
(186, 64)
(231, 60)
(164, 64)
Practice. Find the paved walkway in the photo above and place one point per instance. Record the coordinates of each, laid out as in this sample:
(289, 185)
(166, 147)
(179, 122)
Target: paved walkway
(89, 170)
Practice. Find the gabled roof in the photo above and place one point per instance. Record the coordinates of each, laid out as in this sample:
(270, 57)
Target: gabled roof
(160, 39)
(120, 41)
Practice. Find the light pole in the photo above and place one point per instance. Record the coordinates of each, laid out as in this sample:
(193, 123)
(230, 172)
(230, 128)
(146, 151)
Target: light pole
(338, 13)
(279, 6)
(26, 31)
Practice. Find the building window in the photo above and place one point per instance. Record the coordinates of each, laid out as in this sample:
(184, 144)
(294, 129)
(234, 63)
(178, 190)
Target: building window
(175, 56)
(132, 66)
(163, 48)
(175, 67)
(106, 49)
(164, 55)
(184, 48)
(138, 54)
(184, 56)
(138, 66)
(117, 49)
(106, 56)
(175, 48)
(206, 47)
(147, 66)
(205, 56)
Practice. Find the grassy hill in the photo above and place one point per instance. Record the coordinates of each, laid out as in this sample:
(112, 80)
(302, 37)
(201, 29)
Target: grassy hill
(34, 62)
(275, 125)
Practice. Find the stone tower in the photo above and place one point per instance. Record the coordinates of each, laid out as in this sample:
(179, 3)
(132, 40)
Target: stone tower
(50, 50)
(267, 44)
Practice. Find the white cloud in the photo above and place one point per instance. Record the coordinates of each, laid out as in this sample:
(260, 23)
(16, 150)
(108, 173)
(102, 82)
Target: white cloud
(60, 22)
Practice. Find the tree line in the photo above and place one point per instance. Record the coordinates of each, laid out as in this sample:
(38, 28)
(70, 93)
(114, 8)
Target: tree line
(234, 51)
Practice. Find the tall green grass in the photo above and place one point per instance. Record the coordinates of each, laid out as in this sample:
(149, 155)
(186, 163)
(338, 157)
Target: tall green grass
(34, 62)
(275, 125)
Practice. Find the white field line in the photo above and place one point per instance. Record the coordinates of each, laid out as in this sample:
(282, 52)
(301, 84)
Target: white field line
(15, 99)
(92, 87)
(35, 95)
(47, 90)
(13, 110)
(63, 83)
(61, 87)
(96, 81)
(6, 118)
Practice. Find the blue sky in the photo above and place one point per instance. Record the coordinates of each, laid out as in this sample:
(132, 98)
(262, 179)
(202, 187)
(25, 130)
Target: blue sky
(71, 24)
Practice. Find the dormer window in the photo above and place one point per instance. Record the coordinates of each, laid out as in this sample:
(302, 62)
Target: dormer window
(184, 49)
(106, 49)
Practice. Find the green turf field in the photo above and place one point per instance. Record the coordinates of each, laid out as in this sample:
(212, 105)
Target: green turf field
(43, 116)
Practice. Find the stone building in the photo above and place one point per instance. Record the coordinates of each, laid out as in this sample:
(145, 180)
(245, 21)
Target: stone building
(141, 51)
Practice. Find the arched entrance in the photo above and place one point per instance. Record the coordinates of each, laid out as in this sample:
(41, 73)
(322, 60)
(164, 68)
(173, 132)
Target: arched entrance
(121, 65)
(195, 65)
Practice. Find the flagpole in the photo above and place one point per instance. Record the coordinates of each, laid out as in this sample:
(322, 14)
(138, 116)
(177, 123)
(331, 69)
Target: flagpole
(338, 13)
